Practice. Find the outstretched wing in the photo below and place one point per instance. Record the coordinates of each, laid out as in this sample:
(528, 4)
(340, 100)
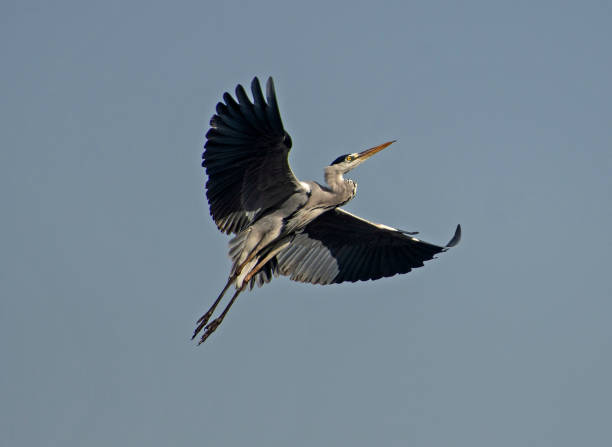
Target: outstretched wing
(245, 158)
(339, 246)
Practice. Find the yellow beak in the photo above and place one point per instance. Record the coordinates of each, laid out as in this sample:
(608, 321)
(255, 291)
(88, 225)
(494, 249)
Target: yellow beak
(369, 152)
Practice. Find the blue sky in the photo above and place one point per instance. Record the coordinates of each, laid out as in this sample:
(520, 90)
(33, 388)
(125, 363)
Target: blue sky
(502, 113)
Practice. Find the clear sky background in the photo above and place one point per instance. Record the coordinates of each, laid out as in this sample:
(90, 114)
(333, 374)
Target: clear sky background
(503, 114)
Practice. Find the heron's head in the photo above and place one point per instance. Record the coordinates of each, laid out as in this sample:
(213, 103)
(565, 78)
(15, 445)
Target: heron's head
(344, 163)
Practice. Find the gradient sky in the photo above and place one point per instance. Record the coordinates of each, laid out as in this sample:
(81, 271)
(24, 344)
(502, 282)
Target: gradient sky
(503, 114)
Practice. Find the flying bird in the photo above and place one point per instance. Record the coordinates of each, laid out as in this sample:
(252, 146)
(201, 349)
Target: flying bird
(284, 226)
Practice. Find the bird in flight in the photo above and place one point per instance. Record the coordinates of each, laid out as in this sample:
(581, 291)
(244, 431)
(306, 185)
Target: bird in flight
(284, 226)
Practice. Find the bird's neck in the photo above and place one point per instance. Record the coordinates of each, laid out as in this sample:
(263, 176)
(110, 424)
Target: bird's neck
(334, 179)
(342, 188)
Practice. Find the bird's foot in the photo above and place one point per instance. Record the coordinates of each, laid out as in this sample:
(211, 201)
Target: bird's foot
(204, 318)
(202, 322)
(209, 329)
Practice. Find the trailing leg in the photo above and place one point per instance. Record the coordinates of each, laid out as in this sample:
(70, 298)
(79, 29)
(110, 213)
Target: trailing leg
(213, 325)
(204, 318)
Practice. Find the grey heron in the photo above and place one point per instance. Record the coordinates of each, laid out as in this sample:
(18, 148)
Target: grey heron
(284, 226)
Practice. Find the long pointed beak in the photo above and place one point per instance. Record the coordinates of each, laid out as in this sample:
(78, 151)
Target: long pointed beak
(369, 152)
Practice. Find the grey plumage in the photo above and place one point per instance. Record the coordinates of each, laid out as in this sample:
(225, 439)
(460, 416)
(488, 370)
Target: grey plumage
(283, 226)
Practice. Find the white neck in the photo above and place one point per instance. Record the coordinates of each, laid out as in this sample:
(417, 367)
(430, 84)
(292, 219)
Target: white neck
(334, 178)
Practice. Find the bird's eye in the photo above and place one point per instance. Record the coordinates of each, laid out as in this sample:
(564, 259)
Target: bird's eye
(349, 158)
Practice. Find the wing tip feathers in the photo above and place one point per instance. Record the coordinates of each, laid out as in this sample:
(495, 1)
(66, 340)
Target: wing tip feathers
(455, 239)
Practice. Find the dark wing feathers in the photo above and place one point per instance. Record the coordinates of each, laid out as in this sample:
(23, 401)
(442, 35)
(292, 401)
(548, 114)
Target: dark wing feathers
(245, 157)
(338, 246)
(273, 110)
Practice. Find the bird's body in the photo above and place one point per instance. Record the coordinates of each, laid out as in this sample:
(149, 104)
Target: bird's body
(286, 226)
